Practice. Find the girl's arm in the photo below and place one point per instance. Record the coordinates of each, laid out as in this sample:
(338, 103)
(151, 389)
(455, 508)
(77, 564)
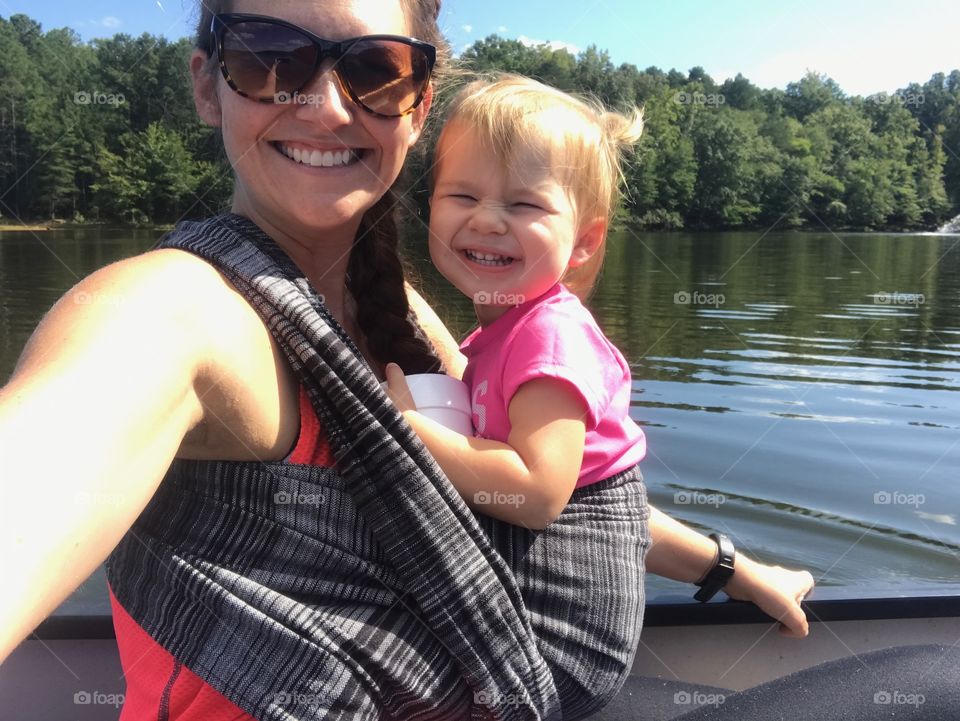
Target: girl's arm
(680, 553)
(526, 481)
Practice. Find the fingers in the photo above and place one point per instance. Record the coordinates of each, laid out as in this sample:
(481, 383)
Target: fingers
(793, 623)
(397, 388)
(801, 630)
(394, 374)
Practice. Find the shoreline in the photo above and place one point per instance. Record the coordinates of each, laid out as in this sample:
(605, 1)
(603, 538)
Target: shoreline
(37, 228)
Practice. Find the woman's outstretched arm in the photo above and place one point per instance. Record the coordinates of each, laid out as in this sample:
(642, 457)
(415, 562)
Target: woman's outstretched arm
(680, 553)
(95, 411)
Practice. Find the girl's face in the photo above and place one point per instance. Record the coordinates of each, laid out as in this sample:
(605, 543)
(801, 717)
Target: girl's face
(501, 235)
(310, 168)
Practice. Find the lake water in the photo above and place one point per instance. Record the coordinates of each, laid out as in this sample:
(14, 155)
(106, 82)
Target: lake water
(799, 390)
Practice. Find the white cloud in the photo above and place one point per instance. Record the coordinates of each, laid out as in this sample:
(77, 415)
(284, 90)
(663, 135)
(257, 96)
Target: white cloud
(468, 28)
(501, 28)
(110, 22)
(552, 44)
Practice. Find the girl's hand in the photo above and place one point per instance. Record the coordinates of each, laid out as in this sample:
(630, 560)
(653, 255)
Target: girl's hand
(775, 590)
(397, 389)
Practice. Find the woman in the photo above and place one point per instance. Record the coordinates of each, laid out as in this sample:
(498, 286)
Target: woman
(274, 563)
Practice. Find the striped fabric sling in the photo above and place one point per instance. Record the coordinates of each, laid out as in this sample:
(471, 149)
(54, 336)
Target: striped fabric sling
(370, 590)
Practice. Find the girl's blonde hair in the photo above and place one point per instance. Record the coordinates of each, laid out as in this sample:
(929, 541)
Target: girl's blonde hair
(582, 143)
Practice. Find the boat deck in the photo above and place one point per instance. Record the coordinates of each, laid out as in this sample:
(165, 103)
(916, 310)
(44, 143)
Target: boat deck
(72, 658)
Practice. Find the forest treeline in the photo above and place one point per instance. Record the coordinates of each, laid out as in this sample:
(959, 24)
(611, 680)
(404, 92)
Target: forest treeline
(106, 131)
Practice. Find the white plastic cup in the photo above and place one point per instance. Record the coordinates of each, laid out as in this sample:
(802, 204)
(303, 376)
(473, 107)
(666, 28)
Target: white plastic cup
(442, 398)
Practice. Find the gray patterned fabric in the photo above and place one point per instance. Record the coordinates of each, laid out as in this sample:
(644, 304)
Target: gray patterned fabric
(371, 591)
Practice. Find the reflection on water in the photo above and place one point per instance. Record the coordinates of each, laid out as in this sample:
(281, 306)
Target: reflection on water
(799, 391)
(818, 400)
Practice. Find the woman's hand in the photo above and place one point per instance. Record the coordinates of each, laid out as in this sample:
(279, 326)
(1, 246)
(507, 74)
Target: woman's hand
(775, 590)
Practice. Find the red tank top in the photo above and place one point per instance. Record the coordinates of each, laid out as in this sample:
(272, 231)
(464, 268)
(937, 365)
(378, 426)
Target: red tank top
(159, 687)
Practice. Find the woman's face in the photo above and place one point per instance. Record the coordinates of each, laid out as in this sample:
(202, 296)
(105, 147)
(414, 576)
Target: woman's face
(315, 166)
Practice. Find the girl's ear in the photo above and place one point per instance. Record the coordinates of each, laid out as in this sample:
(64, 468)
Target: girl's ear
(589, 240)
(205, 96)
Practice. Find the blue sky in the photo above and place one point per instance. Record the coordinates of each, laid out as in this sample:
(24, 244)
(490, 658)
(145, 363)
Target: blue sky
(866, 47)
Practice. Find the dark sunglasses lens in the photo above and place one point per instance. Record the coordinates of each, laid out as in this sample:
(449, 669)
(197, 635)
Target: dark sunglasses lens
(264, 60)
(386, 76)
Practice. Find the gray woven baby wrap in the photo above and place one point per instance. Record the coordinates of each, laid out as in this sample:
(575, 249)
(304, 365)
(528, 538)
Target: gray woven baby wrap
(371, 591)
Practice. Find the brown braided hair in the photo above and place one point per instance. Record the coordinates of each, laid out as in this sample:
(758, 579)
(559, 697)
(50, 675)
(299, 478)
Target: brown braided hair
(375, 274)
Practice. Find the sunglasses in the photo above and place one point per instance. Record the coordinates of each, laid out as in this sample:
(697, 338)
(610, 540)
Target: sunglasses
(271, 61)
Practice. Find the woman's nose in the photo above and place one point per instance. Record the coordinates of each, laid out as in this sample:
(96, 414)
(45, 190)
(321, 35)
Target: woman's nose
(324, 99)
(488, 218)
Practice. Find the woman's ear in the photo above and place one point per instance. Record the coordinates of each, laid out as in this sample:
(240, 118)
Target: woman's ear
(590, 238)
(419, 115)
(205, 97)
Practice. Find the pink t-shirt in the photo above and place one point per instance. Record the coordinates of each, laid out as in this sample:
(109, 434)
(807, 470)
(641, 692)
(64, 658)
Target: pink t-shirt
(555, 336)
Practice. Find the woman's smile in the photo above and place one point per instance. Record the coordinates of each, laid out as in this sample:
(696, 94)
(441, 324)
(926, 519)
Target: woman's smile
(318, 157)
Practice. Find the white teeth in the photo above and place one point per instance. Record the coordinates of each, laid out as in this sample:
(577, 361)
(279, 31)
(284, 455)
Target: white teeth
(488, 258)
(319, 158)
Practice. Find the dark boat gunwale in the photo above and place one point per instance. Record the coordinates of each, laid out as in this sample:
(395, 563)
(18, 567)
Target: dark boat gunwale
(825, 605)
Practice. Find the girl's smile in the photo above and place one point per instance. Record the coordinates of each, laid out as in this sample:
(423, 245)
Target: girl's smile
(497, 231)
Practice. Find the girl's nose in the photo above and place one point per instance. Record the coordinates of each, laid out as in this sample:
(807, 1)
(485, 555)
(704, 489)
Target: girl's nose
(488, 218)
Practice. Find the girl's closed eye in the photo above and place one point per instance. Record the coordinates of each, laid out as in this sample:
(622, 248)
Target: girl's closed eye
(461, 197)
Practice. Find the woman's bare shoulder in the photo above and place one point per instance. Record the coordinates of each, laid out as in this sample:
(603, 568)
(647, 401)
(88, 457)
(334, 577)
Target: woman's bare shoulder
(247, 388)
(244, 384)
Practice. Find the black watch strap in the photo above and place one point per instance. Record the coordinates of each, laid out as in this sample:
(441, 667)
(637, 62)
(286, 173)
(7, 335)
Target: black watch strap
(721, 572)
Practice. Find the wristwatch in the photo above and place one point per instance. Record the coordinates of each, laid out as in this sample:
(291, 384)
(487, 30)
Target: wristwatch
(722, 570)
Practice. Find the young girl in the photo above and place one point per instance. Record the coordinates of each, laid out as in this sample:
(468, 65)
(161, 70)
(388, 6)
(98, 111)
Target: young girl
(525, 183)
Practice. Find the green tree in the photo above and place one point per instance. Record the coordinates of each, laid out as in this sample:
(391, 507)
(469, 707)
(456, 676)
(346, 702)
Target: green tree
(153, 179)
(811, 94)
